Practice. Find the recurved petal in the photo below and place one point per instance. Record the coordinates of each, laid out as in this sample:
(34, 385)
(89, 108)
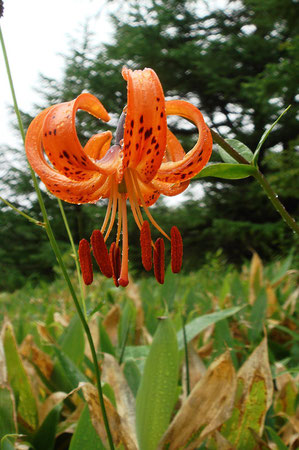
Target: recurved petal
(192, 163)
(145, 124)
(60, 140)
(174, 149)
(72, 191)
(170, 189)
(98, 145)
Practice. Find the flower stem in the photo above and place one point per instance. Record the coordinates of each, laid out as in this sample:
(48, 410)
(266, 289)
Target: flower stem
(261, 180)
(75, 256)
(186, 355)
(58, 255)
(276, 202)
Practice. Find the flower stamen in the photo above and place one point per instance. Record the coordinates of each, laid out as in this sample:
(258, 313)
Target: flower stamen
(100, 253)
(114, 255)
(85, 261)
(159, 260)
(123, 278)
(176, 250)
(146, 245)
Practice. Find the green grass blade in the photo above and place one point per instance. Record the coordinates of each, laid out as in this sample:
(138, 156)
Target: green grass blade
(197, 325)
(44, 438)
(7, 413)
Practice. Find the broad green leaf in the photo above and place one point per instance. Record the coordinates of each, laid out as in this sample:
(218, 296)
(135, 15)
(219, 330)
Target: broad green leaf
(18, 379)
(241, 148)
(276, 439)
(227, 171)
(265, 135)
(66, 375)
(138, 354)
(158, 387)
(7, 442)
(85, 436)
(132, 374)
(44, 438)
(7, 413)
(106, 345)
(194, 327)
(72, 341)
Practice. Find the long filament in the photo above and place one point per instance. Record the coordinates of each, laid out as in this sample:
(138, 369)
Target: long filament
(119, 221)
(146, 208)
(108, 211)
(123, 278)
(113, 214)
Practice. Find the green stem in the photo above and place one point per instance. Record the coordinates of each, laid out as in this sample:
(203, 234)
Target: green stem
(36, 222)
(58, 255)
(228, 148)
(75, 255)
(276, 202)
(261, 180)
(186, 355)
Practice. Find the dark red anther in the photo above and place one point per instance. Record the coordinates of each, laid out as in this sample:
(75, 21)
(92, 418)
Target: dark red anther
(100, 253)
(176, 250)
(115, 259)
(85, 261)
(159, 260)
(146, 246)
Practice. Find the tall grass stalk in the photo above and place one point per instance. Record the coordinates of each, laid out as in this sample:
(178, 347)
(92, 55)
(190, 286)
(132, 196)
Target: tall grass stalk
(57, 252)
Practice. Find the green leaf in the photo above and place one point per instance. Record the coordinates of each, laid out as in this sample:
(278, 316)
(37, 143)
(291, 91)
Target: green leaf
(227, 171)
(7, 423)
(265, 135)
(18, 379)
(194, 327)
(257, 316)
(85, 436)
(138, 354)
(106, 345)
(132, 374)
(158, 387)
(7, 442)
(44, 438)
(241, 148)
(72, 341)
(276, 439)
(66, 375)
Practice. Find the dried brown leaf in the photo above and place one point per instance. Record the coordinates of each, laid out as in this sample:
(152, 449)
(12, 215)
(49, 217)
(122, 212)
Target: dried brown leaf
(197, 369)
(257, 366)
(110, 323)
(36, 356)
(118, 429)
(113, 375)
(207, 407)
(255, 277)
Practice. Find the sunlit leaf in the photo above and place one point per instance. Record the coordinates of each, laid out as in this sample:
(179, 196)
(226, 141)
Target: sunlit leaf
(240, 148)
(227, 171)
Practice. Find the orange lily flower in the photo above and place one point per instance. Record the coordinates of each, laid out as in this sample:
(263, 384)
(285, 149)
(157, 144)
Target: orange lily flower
(146, 160)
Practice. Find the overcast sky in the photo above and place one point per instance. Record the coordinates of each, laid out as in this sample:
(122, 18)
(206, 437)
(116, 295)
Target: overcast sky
(35, 33)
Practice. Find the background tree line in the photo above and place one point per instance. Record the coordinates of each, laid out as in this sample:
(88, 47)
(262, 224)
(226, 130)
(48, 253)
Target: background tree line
(238, 64)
